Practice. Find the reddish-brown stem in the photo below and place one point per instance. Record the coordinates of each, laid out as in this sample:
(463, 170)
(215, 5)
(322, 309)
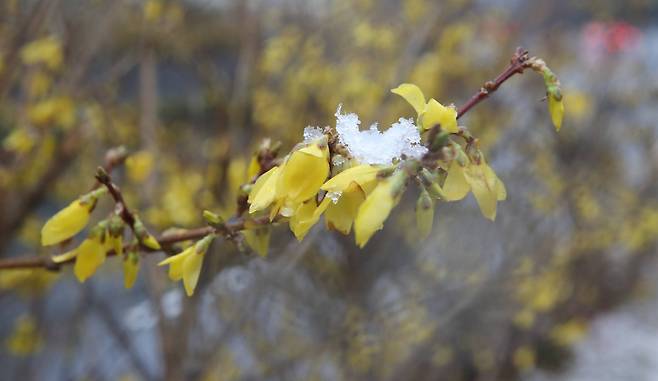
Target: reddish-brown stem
(516, 66)
(121, 209)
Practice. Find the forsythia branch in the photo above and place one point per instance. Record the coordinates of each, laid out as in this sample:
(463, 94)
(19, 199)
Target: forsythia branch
(229, 229)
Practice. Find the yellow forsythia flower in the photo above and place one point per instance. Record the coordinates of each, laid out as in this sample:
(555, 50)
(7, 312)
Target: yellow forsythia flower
(340, 215)
(297, 180)
(90, 255)
(554, 94)
(254, 167)
(455, 186)
(264, 190)
(130, 269)
(25, 338)
(363, 175)
(139, 166)
(153, 10)
(524, 358)
(431, 113)
(58, 110)
(70, 220)
(303, 173)
(19, 140)
(351, 188)
(306, 215)
(187, 264)
(556, 109)
(258, 239)
(39, 84)
(378, 205)
(47, 50)
(487, 188)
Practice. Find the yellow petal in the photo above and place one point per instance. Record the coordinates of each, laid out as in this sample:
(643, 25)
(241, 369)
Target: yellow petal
(361, 174)
(274, 211)
(374, 210)
(91, 254)
(66, 223)
(191, 272)
(139, 165)
(455, 187)
(264, 190)
(117, 244)
(175, 263)
(556, 109)
(483, 186)
(501, 191)
(313, 150)
(175, 272)
(25, 338)
(47, 50)
(412, 94)
(258, 239)
(436, 113)
(254, 168)
(340, 216)
(130, 269)
(307, 215)
(65, 257)
(302, 175)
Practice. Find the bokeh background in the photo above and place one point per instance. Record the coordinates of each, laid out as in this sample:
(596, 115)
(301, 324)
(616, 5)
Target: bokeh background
(562, 286)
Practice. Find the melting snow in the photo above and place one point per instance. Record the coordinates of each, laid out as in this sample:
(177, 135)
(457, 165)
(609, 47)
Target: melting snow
(374, 147)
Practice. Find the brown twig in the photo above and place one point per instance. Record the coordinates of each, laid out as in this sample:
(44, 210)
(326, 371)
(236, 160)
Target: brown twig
(517, 66)
(228, 228)
(121, 209)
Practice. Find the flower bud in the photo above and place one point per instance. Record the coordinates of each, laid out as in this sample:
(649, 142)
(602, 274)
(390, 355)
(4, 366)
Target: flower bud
(424, 214)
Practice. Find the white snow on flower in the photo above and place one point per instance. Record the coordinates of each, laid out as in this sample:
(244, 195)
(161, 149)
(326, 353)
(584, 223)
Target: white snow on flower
(334, 196)
(375, 147)
(312, 133)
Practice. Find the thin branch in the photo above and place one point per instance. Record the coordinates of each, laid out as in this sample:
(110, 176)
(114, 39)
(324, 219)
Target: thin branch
(121, 208)
(516, 66)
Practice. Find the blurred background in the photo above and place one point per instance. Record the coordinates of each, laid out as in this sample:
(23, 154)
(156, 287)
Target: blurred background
(562, 286)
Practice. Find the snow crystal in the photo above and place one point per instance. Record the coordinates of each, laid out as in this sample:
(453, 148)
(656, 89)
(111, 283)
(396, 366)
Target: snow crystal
(334, 196)
(338, 161)
(312, 133)
(374, 147)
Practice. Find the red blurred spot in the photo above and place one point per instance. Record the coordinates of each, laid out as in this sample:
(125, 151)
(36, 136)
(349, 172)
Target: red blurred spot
(611, 38)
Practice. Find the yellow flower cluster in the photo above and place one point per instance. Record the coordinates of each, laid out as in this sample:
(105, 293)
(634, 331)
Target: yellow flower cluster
(105, 236)
(357, 196)
(362, 196)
